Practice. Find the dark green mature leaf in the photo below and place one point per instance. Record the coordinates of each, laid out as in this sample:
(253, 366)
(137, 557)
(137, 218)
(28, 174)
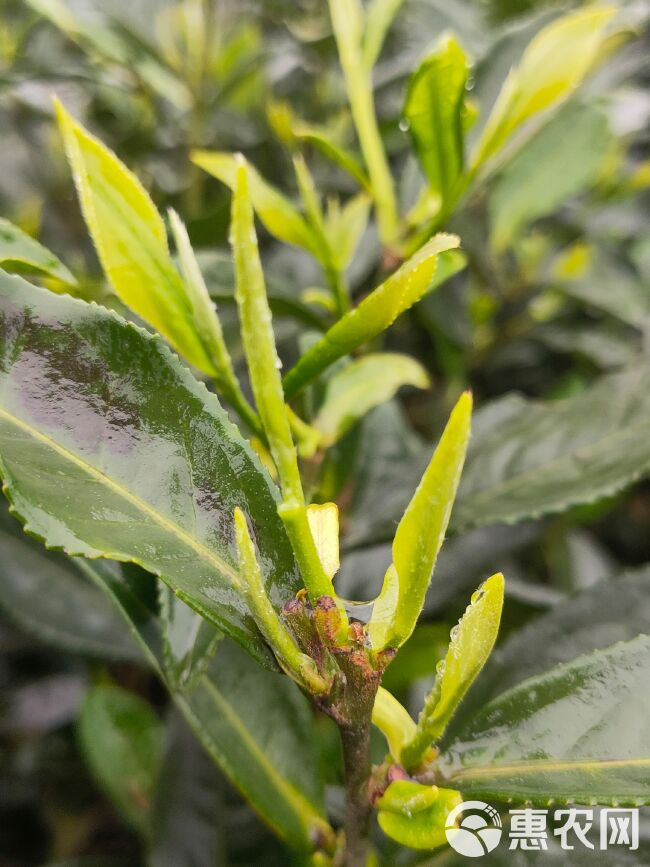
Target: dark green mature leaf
(376, 312)
(603, 268)
(434, 112)
(122, 740)
(109, 448)
(187, 811)
(529, 458)
(47, 595)
(256, 726)
(190, 641)
(20, 252)
(561, 161)
(577, 733)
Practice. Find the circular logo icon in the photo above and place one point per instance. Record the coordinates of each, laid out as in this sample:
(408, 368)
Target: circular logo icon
(477, 833)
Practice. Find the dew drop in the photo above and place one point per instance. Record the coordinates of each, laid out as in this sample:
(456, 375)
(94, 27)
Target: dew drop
(454, 632)
(440, 667)
(404, 124)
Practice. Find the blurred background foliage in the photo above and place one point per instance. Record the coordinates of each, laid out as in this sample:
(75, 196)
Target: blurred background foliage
(556, 297)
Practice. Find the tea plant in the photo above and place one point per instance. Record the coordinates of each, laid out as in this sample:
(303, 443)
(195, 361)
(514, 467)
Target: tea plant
(113, 452)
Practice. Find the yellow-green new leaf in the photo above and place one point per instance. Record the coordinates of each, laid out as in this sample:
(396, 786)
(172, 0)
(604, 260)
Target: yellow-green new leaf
(295, 663)
(393, 721)
(379, 17)
(420, 534)
(376, 312)
(324, 525)
(422, 824)
(344, 228)
(471, 643)
(264, 369)
(131, 241)
(434, 112)
(276, 212)
(323, 141)
(207, 324)
(365, 383)
(555, 63)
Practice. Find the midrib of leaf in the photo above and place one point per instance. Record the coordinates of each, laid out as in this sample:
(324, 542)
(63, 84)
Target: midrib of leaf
(306, 813)
(299, 804)
(443, 168)
(205, 553)
(584, 453)
(541, 765)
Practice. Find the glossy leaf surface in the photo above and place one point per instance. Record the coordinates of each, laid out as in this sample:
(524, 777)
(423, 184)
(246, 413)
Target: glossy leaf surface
(577, 733)
(434, 112)
(362, 385)
(122, 741)
(20, 252)
(374, 314)
(420, 534)
(109, 448)
(131, 243)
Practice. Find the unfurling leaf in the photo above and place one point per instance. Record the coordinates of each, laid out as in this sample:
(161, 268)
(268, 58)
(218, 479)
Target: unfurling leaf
(275, 211)
(131, 242)
(263, 365)
(122, 741)
(207, 324)
(110, 448)
(554, 64)
(19, 252)
(393, 721)
(374, 314)
(324, 524)
(420, 534)
(320, 139)
(362, 385)
(575, 734)
(434, 110)
(378, 19)
(415, 815)
(472, 641)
